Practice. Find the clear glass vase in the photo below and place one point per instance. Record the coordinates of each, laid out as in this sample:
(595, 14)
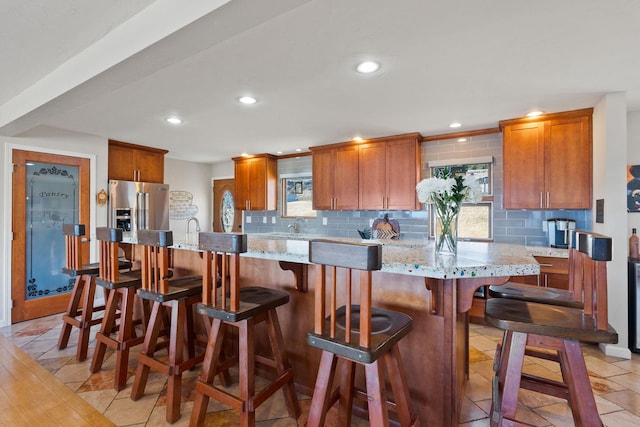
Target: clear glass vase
(446, 231)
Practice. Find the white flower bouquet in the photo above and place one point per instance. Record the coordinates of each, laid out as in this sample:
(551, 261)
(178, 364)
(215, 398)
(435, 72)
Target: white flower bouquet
(447, 192)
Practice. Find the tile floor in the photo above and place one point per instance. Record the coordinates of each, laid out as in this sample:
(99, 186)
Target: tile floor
(616, 383)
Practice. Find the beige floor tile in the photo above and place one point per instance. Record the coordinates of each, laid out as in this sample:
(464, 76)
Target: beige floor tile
(125, 411)
(478, 388)
(600, 368)
(630, 381)
(477, 423)
(471, 412)
(73, 373)
(482, 343)
(556, 415)
(621, 419)
(625, 399)
(100, 399)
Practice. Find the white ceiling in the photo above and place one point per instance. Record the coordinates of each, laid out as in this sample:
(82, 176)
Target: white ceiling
(116, 68)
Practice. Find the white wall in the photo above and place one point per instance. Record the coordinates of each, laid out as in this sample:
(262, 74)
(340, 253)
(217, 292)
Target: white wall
(55, 141)
(223, 170)
(609, 182)
(196, 179)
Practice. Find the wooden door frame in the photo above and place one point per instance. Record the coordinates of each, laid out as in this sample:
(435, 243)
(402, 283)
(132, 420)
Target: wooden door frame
(5, 286)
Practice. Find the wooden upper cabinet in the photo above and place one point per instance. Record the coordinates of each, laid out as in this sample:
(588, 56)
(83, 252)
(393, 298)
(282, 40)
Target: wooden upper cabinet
(379, 173)
(389, 172)
(335, 178)
(131, 162)
(548, 162)
(256, 182)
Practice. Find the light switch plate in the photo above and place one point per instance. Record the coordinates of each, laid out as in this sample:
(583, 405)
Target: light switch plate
(264, 219)
(247, 220)
(324, 220)
(273, 220)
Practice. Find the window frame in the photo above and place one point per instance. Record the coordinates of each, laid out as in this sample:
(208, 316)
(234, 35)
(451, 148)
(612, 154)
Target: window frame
(487, 198)
(294, 177)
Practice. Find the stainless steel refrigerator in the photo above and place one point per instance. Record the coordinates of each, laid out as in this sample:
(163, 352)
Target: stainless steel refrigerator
(137, 206)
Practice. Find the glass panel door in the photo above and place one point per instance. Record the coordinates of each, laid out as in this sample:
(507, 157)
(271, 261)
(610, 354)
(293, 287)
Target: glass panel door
(52, 200)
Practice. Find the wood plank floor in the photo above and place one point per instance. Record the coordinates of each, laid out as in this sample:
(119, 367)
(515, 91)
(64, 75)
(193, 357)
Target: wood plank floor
(31, 396)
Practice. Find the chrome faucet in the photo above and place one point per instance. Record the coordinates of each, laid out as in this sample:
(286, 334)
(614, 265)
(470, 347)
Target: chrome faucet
(295, 225)
(193, 218)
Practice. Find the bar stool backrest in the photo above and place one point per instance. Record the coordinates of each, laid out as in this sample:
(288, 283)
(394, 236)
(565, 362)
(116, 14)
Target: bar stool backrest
(221, 257)
(331, 256)
(589, 255)
(73, 234)
(155, 259)
(109, 239)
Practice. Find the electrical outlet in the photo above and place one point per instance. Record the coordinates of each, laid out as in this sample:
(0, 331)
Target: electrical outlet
(247, 220)
(264, 219)
(273, 220)
(324, 220)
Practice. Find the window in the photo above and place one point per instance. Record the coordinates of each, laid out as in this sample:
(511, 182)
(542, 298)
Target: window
(474, 220)
(297, 196)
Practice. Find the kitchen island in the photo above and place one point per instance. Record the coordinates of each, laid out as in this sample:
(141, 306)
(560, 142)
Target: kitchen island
(436, 292)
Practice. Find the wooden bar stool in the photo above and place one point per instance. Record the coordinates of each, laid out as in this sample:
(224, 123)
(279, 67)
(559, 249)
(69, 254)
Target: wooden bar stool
(81, 307)
(120, 304)
(558, 329)
(360, 335)
(242, 308)
(177, 296)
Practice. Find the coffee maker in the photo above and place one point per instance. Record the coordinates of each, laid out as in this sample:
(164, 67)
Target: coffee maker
(558, 231)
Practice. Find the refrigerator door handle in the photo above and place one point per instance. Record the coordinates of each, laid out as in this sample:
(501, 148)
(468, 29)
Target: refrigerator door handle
(146, 210)
(141, 218)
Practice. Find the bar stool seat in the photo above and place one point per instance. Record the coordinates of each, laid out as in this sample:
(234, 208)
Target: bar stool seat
(387, 328)
(120, 305)
(357, 334)
(174, 296)
(240, 308)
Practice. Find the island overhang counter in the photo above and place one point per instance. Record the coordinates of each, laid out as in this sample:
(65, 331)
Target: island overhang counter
(435, 291)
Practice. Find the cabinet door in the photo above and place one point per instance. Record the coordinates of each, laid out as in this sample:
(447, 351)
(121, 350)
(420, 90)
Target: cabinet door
(257, 184)
(372, 191)
(403, 172)
(345, 187)
(523, 156)
(568, 164)
(150, 166)
(322, 166)
(121, 164)
(242, 184)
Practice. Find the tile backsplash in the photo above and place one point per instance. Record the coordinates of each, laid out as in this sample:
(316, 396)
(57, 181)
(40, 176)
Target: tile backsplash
(509, 226)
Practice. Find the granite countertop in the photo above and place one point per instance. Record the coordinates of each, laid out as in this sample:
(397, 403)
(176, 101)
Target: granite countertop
(412, 257)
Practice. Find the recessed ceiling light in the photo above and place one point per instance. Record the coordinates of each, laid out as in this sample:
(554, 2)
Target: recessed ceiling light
(248, 100)
(455, 125)
(298, 150)
(462, 139)
(534, 114)
(278, 152)
(368, 67)
(173, 120)
(358, 139)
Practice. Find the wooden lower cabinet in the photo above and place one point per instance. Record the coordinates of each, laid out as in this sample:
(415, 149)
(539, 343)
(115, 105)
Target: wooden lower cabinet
(554, 273)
